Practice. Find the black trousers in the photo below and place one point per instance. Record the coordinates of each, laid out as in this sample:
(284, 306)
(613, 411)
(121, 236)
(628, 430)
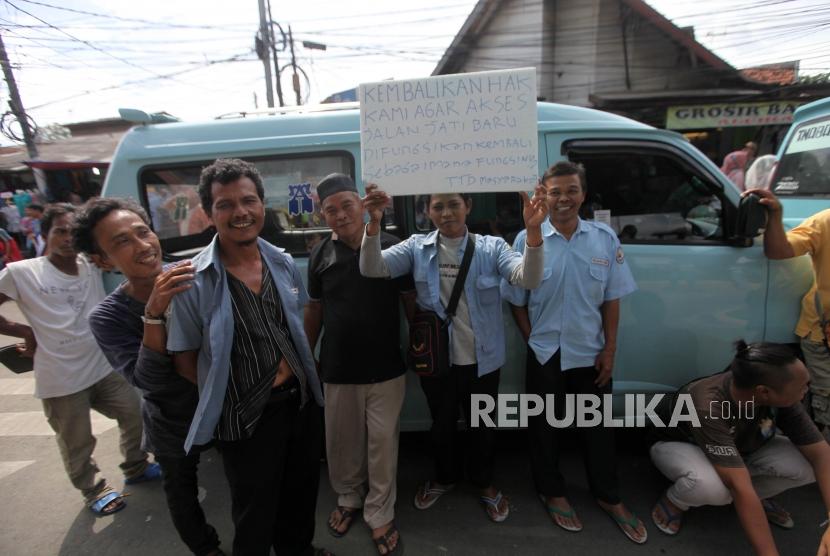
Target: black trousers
(597, 442)
(444, 396)
(181, 486)
(274, 477)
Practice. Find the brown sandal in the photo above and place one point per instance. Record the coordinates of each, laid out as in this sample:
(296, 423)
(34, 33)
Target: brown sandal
(382, 543)
(346, 516)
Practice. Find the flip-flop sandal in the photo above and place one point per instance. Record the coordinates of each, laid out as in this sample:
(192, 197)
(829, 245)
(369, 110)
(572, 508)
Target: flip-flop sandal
(345, 513)
(670, 518)
(99, 506)
(430, 493)
(553, 511)
(151, 473)
(491, 506)
(777, 515)
(384, 541)
(632, 522)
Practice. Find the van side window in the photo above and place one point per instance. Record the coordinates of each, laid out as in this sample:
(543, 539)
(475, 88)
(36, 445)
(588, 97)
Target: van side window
(496, 214)
(292, 219)
(804, 169)
(652, 197)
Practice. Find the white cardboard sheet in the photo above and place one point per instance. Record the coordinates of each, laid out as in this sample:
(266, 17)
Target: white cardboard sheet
(472, 132)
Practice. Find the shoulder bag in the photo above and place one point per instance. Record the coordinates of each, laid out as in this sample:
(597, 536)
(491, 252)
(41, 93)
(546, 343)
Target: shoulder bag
(429, 339)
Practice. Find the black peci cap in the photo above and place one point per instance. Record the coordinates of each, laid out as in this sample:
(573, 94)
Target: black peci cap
(334, 183)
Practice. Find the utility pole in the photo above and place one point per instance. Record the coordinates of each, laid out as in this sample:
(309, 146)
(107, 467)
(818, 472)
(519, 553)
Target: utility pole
(264, 53)
(274, 52)
(19, 112)
(295, 78)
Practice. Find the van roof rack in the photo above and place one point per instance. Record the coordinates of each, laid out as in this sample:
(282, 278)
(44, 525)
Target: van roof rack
(307, 108)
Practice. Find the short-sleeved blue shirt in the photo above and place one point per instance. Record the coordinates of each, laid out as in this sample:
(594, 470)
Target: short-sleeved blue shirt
(580, 275)
(202, 320)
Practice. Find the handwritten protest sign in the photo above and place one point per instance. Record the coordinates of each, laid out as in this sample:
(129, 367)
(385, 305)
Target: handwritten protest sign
(471, 132)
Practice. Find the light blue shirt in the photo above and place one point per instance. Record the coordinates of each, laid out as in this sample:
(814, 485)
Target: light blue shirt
(580, 275)
(493, 260)
(202, 319)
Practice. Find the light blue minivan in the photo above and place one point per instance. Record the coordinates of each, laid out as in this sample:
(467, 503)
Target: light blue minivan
(702, 276)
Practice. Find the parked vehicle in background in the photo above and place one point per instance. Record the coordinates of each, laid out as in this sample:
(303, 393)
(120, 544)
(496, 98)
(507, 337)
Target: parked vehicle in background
(802, 175)
(703, 281)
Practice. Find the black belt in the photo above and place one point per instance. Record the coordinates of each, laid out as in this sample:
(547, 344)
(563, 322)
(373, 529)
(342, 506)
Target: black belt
(285, 391)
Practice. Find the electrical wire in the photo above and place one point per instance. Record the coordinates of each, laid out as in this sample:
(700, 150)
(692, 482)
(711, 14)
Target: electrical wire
(235, 58)
(82, 41)
(781, 22)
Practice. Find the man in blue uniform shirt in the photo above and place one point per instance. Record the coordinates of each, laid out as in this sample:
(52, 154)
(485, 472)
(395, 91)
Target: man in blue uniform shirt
(570, 324)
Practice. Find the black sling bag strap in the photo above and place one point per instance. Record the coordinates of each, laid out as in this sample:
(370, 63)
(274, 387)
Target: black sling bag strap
(462, 276)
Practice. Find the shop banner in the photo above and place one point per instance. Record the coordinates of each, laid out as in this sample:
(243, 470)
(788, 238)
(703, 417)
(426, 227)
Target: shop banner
(731, 115)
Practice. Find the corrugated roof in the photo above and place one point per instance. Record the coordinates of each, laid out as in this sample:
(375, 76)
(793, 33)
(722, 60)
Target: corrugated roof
(784, 73)
(94, 150)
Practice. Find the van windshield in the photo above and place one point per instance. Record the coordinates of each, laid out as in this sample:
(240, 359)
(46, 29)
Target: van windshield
(804, 170)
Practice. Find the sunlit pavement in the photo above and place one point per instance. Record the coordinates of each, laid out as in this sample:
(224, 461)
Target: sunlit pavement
(43, 514)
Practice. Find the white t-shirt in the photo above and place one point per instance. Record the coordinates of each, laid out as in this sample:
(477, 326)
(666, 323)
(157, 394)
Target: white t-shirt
(57, 305)
(463, 348)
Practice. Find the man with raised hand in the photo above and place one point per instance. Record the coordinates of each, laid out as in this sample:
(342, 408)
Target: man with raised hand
(570, 324)
(811, 237)
(361, 364)
(129, 325)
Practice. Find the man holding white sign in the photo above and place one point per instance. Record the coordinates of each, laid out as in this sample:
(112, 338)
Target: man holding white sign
(476, 332)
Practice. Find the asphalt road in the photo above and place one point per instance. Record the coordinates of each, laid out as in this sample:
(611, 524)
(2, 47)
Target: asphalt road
(42, 514)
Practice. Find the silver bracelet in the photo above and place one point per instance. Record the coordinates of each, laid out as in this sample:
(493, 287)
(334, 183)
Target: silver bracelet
(147, 320)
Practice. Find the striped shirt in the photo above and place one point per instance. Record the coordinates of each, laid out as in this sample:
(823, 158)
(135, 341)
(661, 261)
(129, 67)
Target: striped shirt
(260, 340)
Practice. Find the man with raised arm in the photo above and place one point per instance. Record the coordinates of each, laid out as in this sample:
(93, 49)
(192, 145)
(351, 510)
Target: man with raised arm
(129, 325)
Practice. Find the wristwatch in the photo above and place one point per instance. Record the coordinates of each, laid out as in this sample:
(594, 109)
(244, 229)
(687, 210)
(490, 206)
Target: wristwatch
(147, 318)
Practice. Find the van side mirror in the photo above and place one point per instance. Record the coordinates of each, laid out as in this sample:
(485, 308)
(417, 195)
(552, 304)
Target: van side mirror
(752, 220)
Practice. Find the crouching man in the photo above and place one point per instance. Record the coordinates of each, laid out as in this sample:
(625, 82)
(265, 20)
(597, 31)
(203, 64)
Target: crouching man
(734, 456)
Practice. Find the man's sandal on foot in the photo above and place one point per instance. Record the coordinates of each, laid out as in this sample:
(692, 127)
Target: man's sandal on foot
(633, 522)
(777, 515)
(491, 506)
(383, 543)
(347, 516)
(99, 507)
(150, 473)
(429, 493)
(555, 513)
(671, 517)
